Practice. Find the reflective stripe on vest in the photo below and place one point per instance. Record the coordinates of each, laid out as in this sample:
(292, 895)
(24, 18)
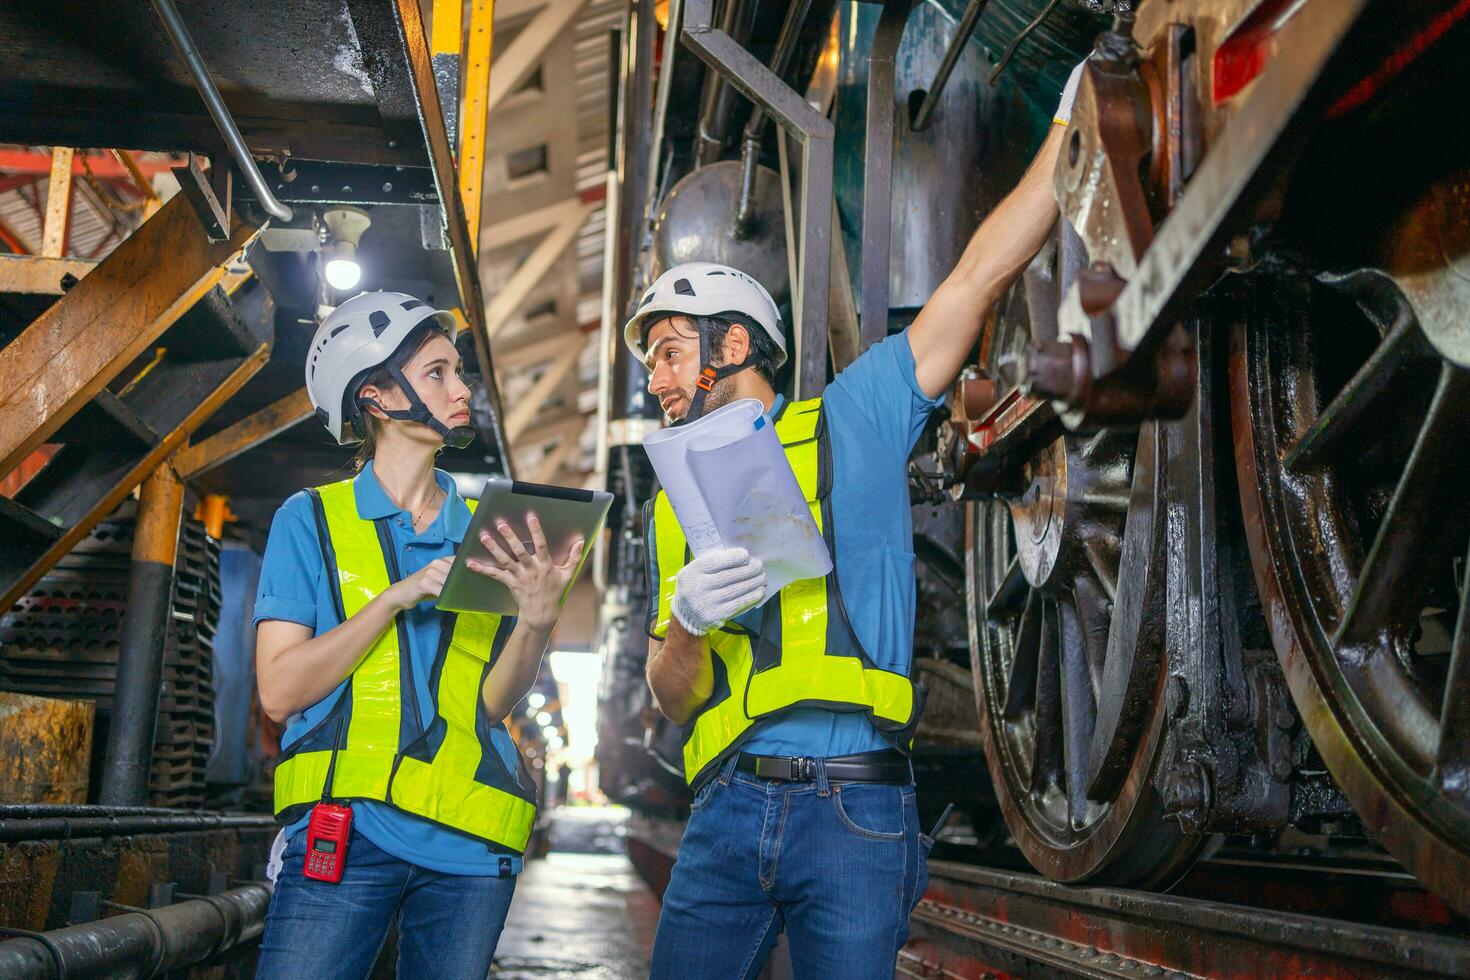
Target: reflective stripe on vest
(369, 745)
(805, 652)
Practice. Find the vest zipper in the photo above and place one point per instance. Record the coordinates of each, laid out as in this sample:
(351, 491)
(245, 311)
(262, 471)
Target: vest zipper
(385, 537)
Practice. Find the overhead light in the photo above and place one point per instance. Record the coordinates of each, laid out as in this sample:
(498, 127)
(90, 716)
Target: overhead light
(543, 718)
(345, 226)
(535, 700)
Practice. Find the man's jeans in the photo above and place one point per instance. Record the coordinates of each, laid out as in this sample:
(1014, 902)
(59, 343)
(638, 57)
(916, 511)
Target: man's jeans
(448, 928)
(839, 866)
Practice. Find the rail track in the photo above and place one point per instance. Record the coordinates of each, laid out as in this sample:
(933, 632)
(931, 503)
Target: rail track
(981, 922)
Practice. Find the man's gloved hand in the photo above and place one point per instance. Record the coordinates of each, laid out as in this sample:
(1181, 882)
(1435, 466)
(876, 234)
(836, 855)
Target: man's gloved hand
(716, 587)
(1063, 115)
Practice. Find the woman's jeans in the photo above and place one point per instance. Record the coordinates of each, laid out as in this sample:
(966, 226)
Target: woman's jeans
(448, 928)
(839, 866)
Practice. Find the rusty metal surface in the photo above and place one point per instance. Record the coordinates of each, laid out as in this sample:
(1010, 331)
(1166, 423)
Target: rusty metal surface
(972, 919)
(45, 749)
(1354, 546)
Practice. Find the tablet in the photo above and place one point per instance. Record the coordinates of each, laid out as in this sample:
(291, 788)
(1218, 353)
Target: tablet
(565, 513)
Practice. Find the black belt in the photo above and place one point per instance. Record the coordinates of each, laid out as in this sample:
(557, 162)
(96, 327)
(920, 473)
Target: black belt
(886, 766)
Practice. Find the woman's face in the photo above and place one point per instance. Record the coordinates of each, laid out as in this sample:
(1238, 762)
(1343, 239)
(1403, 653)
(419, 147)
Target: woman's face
(434, 373)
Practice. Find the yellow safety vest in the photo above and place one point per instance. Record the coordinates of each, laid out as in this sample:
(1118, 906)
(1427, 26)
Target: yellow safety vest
(805, 653)
(371, 746)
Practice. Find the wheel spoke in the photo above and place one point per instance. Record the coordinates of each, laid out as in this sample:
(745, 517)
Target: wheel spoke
(1009, 594)
(1093, 617)
(1424, 520)
(1452, 762)
(1103, 553)
(1079, 709)
(1329, 437)
(1046, 752)
(1021, 682)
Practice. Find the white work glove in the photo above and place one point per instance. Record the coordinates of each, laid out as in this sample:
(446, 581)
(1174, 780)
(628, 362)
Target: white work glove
(277, 859)
(1069, 96)
(716, 587)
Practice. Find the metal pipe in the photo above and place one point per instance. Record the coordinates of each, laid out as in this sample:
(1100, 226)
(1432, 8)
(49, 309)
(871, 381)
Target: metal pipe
(74, 827)
(717, 99)
(759, 84)
(144, 629)
(754, 128)
(1010, 51)
(184, 44)
(962, 33)
(143, 943)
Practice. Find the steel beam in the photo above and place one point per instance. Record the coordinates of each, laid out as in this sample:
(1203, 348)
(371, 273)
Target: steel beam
(38, 276)
(446, 38)
(878, 173)
(479, 44)
(756, 82)
(441, 154)
(568, 217)
(76, 347)
(140, 470)
(244, 435)
(530, 402)
(144, 630)
(515, 65)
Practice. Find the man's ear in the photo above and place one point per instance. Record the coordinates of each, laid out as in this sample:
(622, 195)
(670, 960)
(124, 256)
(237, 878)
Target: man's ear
(737, 343)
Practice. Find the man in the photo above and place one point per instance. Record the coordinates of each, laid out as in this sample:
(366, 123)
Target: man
(797, 714)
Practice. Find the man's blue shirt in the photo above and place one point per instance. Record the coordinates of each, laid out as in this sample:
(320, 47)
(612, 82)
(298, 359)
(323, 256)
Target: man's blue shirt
(294, 587)
(875, 413)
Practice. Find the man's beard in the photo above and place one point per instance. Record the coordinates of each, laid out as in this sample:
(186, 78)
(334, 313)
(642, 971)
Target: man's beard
(721, 394)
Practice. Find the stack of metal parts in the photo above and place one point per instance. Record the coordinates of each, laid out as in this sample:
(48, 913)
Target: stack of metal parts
(62, 640)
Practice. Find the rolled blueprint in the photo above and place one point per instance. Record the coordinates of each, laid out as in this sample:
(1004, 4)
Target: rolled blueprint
(731, 486)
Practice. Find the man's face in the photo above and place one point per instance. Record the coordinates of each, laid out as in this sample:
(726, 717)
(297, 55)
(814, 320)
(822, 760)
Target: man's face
(672, 360)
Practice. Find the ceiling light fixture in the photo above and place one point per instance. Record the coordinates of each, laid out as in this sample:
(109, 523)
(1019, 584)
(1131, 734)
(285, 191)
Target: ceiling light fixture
(345, 226)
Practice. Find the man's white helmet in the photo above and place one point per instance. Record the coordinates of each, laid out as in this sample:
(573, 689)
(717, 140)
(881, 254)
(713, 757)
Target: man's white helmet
(706, 289)
(357, 336)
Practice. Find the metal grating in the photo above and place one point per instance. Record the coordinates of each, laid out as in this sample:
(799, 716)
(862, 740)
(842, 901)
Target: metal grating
(62, 638)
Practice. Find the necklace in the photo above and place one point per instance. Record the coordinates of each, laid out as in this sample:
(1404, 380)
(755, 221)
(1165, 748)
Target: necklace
(423, 510)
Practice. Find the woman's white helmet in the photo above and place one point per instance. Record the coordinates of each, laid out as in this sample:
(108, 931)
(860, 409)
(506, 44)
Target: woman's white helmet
(706, 289)
(358, 336)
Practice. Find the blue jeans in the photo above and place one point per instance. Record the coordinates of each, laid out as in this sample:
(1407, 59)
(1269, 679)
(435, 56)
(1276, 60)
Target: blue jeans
(840, 866)
(448, 926)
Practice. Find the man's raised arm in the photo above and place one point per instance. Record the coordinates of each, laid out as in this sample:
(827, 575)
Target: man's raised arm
(949, 324)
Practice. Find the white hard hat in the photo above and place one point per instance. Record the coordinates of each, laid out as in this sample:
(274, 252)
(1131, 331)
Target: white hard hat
(706, 289)
(357, 336)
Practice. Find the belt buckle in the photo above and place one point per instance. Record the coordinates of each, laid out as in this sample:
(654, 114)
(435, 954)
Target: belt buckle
(804, 768)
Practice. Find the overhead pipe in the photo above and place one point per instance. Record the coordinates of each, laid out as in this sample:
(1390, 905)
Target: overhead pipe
(717, 99)
(962, 33)
(754, 129)
(143, 943)
(178, 33)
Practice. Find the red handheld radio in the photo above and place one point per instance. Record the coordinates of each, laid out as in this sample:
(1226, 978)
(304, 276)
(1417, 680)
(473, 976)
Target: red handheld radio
(327, 835)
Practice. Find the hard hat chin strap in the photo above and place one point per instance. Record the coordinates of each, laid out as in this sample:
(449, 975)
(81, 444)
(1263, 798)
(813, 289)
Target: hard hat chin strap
(707, 378)
(456, 437)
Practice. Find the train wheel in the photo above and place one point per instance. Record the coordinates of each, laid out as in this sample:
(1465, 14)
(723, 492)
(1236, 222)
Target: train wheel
(1065, 586)
(1352, 438)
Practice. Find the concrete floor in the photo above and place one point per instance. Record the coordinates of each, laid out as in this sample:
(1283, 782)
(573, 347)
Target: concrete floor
(581, 911)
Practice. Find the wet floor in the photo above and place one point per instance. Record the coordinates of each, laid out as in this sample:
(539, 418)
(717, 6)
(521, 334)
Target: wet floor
(581, 911)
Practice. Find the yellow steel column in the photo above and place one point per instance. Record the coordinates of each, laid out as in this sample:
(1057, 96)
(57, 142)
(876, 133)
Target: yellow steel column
(478, 46)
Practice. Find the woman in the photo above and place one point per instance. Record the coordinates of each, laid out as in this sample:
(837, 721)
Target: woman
(393, 708)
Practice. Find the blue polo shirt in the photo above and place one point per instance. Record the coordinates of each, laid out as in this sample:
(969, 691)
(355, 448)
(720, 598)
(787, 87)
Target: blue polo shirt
(875, 413)
(294, 587)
